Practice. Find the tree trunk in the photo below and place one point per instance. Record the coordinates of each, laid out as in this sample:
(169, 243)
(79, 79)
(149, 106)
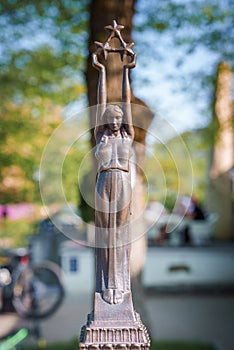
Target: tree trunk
(220, 186)
(102, 13)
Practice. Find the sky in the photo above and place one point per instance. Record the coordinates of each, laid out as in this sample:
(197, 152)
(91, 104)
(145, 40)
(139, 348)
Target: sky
(164, 92)
(174, 91)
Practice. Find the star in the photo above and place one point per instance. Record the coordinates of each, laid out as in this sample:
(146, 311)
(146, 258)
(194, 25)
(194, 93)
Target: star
(102, 47)
(128, 48)
(114, 27)
(114, 30)
(98, 44)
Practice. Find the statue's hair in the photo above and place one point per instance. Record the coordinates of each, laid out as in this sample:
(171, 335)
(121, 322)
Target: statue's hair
(110, 109)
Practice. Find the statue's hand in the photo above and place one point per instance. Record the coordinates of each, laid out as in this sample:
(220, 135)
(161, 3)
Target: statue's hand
(96, 63)
(132, 63)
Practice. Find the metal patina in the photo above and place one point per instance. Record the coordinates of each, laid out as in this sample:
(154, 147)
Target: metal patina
(113, 324)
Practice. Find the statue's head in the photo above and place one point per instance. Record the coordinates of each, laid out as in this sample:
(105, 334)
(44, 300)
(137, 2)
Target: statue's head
(114, 117)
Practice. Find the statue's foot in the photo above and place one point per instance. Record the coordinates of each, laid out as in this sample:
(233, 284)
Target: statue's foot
(108, 296)
(118, 296)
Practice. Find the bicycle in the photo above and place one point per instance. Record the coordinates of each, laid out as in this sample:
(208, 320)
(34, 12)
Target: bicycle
(36, 292)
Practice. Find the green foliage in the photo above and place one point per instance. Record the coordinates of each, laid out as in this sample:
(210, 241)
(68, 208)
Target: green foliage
(15, 233)
(88, 186)
(170, 200)
(199, 151)
(22, 141)
(199, 34)
(179, 167)
(43, 46)
(194, 24)
(71, 173)
(31, 76)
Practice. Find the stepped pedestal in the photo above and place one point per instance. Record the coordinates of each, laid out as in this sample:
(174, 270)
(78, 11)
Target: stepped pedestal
(114, 326)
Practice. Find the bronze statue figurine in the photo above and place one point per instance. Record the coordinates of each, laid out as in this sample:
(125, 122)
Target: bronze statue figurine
(114, 136)
(113, 323)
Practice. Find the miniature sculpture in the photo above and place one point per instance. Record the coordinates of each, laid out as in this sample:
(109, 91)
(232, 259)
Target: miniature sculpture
(113, 323)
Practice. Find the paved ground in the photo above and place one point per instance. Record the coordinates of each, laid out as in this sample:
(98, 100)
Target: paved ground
(208, 318)
(205, 318)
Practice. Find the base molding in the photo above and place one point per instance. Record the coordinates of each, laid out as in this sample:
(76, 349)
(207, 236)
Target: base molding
(110, 338)
(114, 327)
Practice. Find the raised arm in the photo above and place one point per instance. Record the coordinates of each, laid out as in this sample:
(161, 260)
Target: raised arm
(126, 97)
(101, 96)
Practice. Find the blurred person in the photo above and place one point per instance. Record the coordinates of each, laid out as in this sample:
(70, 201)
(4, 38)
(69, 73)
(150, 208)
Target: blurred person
(197, 211)
(163, 236)
(189, 207)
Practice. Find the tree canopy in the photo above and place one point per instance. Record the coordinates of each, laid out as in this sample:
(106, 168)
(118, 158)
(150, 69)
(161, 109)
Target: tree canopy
(207, 23)
(42, 53)
(43, 50)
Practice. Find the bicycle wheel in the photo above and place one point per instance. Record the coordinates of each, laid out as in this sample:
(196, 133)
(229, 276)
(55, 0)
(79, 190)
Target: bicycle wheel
(38, 291)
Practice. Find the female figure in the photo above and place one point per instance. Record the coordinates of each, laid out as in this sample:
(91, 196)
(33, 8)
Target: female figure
(114, 136)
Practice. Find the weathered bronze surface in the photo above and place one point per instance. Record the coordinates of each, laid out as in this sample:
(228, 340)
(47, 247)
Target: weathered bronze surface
(113, 323)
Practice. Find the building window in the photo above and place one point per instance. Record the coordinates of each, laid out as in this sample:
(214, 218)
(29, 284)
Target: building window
(73, 265)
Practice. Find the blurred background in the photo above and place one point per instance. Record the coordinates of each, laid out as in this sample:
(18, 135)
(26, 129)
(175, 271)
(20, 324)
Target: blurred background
(183, 276)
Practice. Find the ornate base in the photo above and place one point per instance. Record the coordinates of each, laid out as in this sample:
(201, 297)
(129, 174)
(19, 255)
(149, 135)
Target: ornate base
(119, 330)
